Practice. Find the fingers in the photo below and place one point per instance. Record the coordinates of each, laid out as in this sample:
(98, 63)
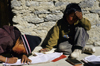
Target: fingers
(26, 61)
(29, 61)
(22, 60)
(43, 50)
(78, 14)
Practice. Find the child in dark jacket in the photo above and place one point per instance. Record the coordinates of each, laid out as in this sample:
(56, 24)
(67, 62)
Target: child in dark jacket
(14, 43)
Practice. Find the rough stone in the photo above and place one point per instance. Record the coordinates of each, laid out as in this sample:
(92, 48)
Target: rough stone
(32, 3)
(75, 1)
(95, 11)
(33, 19)
(15, 3)
(85, 11)
(46, 4)
(94, 35)
(53, 17)
(87, 3)
(41, 12)
(61, 3)
(92, 18)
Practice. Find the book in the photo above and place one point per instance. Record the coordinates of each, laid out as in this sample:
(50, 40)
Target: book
(74, 61)
(92, 60)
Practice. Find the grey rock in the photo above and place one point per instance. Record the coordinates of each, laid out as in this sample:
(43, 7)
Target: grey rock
(61, 3)
(51, 17)
(95, 11)
(28, 4)
(41, 12)
(99, 0)
(87, 3)
(85, 11)
(46, 3)
(96, 43)
(55, 11)
(33, 19)
(32, 3)
(15, 3)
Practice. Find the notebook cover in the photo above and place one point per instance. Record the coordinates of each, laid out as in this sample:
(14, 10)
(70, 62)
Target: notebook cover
(74, 62)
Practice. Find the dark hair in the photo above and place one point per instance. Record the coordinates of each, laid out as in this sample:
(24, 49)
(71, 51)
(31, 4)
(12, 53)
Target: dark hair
(72, 7)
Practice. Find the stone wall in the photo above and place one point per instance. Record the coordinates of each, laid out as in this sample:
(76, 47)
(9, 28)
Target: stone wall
(36, 17)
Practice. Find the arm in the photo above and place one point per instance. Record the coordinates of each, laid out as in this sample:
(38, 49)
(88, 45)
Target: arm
(85, 23)
(2, 58)
(8, 60)
(51, 39)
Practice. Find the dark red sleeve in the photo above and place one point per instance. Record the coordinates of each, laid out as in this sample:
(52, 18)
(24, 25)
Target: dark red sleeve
(8, 37)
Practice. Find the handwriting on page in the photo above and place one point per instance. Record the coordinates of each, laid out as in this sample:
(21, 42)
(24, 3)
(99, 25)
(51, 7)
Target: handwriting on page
(92, 58)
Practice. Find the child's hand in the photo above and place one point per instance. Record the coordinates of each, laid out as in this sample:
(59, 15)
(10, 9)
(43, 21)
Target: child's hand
(25, 59)
(78, 14)
(12, 60)
(44, 50)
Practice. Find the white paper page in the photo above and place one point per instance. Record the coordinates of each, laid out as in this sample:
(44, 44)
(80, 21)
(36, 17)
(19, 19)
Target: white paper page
(52, 56)
(17, 63)
(92, 58)
(39, 59)
(37, 54)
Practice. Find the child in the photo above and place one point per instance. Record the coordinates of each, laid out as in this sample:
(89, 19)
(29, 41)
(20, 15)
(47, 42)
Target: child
(69, 34)
(15, 44)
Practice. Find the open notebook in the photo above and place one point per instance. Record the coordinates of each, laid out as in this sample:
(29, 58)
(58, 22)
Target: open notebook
(40, 58)
(92, 60)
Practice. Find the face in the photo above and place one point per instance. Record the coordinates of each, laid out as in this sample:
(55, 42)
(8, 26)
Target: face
(72, 18)
(19, 47)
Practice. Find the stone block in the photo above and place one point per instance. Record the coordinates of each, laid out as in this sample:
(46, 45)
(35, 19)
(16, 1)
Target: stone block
(95, 11)
(75, 1)
(41, 12)
(15, 3)
(32, 3)
(33, 19)
(92, 18)
(61, 3)
(87, 3)
(53, 17)
(46, 4)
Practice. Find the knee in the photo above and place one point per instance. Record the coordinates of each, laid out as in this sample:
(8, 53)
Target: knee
(64, 46)
(79, 29)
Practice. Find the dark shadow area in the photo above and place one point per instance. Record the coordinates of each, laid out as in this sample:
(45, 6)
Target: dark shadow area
(6, 14)
(11, 14)
(85, 64)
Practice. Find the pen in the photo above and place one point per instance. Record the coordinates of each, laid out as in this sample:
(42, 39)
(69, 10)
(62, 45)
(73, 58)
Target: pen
(12, 55)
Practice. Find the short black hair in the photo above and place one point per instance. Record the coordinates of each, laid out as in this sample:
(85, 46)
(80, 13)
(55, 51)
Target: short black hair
(72, 7)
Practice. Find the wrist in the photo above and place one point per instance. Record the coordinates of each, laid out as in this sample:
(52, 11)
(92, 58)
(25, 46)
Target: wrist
(7, 60)
(80, 18)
